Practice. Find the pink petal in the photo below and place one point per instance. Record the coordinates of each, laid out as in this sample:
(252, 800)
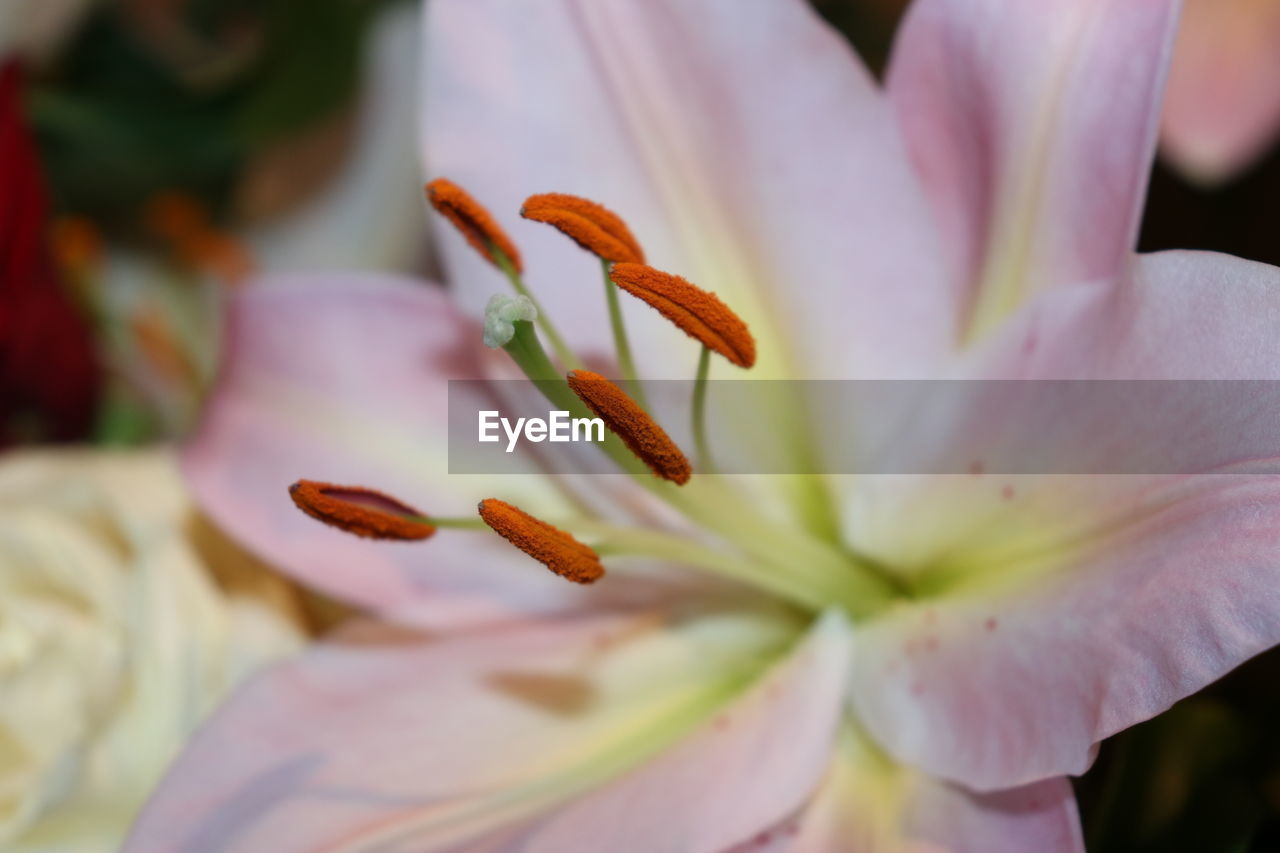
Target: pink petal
(1223, 107)
(342, 378)
(1040, 817)
(1033, 126)
(404, 742)
(745, 769)
(1137, 592)
(996, 688)
(1174, 315)
(869, 805)
(751, 153)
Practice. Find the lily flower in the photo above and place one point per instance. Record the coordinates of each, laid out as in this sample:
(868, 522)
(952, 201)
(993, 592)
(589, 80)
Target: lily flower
(1223, 108)
(716, 663)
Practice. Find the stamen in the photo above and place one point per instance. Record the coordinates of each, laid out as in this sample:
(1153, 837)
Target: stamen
(221, 255)
(174, 216)
(698, 410)
(549, 545)
(639, 432)
(475, 222)
(699, 313)
(162, 347)
(183, 223)
(77, 245)
(592, 226)
(621, 342)
(361, 511)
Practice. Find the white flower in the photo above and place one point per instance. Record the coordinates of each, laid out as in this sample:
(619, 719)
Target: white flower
(114, 640)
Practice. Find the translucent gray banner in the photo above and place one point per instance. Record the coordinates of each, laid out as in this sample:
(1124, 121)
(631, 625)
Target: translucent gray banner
(896, 427)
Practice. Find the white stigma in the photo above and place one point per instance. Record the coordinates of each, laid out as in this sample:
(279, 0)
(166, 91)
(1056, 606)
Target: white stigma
(500, 316)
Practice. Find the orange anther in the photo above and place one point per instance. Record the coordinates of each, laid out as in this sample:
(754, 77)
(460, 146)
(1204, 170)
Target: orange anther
(183, 223)
(639, 432)
(77, 244)
(473, 220)
(699, 313)
(361, 511)
(592, 226)
(549, 545)
(220, 254)
(175, 216)
(162, 348)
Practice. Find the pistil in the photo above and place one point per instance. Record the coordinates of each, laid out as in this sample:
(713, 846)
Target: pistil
(563, 352)
(482, 231)
(526, 351)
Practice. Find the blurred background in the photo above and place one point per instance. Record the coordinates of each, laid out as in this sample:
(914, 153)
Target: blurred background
(155, 153)
(169, 149)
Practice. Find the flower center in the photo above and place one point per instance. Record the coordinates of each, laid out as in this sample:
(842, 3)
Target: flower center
(738, 540)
